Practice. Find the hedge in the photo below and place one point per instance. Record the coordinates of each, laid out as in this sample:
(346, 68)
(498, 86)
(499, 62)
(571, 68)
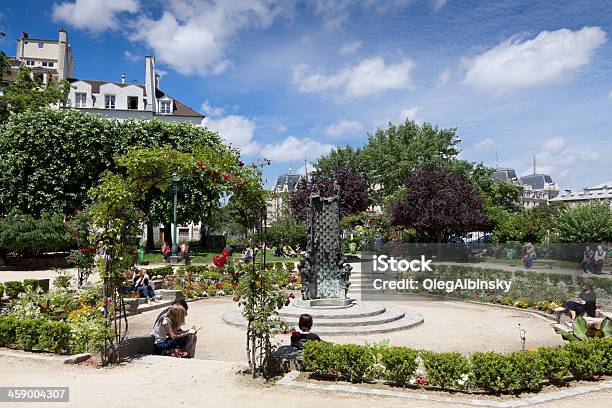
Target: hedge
(162, 271)
(14, 288)
(484, 371)
(35, 334)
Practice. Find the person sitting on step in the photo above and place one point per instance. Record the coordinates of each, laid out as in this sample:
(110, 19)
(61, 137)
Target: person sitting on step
(301, 336)
(586, 302)
(170, 339)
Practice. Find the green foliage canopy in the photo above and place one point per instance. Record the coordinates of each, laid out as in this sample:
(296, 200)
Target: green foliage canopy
(585, 223)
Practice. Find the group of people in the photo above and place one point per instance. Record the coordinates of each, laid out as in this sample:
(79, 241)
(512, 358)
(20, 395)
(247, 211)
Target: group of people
(593, 260)
(184, 253)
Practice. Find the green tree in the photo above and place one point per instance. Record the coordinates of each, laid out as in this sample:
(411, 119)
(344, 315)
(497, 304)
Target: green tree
(584, 224)
(392, 154)
(51, 158)
(28, 92)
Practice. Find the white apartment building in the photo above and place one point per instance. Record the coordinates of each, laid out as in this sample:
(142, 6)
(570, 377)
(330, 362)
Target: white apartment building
(53, 60)
(599, 193)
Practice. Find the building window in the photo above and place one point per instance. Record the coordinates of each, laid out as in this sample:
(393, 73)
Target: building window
(166, 107)
(41, 45)
(47, 64)
(109, 101)
(30, 63)
(132, 102)
(80, 99)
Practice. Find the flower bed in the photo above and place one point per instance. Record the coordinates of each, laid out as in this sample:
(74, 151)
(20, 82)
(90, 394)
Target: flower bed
(60, 321)
(542, 291)
(482, 372)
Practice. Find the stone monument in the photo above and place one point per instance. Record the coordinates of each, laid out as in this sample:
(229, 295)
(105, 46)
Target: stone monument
(324, 271)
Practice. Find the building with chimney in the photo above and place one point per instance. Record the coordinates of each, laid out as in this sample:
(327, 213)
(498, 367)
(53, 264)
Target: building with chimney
(599, 193)
(53, 60)
(278, 204)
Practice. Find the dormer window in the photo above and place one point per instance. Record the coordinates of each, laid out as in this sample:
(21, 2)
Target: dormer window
(165, 107)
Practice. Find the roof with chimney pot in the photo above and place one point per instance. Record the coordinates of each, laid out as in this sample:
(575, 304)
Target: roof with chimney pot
(180, 109)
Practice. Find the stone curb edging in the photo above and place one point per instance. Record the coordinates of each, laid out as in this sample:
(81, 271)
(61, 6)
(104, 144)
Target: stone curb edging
(290, 380)
(58, 359)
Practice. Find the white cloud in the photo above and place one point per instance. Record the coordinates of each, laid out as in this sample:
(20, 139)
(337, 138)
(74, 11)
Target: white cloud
(341, 127)
(438, 4)
(369, 77)
(336, 13)
(131, 57)
(93, 15)
(610, 95)
(280, 128)
(554, 145)
(293, 148)
(485, 144)
(410, 114)
(236, 130)
(212, 111)
(443, 77)
(193, 37)
(350, 47)
(548, 57)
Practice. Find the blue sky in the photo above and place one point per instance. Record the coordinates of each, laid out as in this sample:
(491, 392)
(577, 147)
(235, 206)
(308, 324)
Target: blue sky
(291, 79)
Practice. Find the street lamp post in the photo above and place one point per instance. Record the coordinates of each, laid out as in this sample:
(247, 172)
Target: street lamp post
(175, 179)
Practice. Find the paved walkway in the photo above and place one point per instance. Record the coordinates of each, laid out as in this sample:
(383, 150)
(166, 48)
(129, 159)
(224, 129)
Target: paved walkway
(167, 382)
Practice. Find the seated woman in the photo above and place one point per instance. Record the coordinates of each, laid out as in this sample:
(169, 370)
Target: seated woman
(166, 251)
(247, 255)
(586, 302)
(141, 284)
(290, 252)
(169, 335)
(301, 336)
(278, 250)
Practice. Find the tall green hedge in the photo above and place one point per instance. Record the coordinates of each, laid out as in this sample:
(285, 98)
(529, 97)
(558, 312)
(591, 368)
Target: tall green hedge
(51, 158)
(28, 236)
(484, 371)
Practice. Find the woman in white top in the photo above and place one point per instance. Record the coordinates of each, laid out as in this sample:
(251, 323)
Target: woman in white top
(168, 333)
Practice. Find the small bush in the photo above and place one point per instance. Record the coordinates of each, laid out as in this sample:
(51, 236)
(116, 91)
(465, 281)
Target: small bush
(319, 357)
(486, 371)
(586, 359)
(353, 361)
(163, 271)
(54, 337)
(400, 364)
(446, 370)
(1, 289)
(556, 362)
(62, 281)
(524, 370)
(28, 333)
(31, 283)
(13, 289)
(8, 328)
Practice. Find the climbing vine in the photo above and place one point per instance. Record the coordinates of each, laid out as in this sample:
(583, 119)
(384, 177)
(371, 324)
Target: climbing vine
(118, 220)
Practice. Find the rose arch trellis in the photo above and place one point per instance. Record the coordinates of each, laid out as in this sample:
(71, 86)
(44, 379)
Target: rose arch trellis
(117, 219)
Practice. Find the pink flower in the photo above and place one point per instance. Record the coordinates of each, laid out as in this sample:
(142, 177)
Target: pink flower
(420, 380)
(226, 177)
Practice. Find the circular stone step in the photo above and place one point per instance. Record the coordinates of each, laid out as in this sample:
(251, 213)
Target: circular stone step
(386, 319)
(356, 310)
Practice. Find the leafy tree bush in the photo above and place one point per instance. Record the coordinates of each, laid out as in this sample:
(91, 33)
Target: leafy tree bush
(445, 370)
(13, 288)
(437, 204)
(51, 158)
(556, 362)
(353, 361)
(28, 236)
(586, 359)
(288, 232)
(400, 364)
(584, 223)
(524, 226)
(353, 192)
